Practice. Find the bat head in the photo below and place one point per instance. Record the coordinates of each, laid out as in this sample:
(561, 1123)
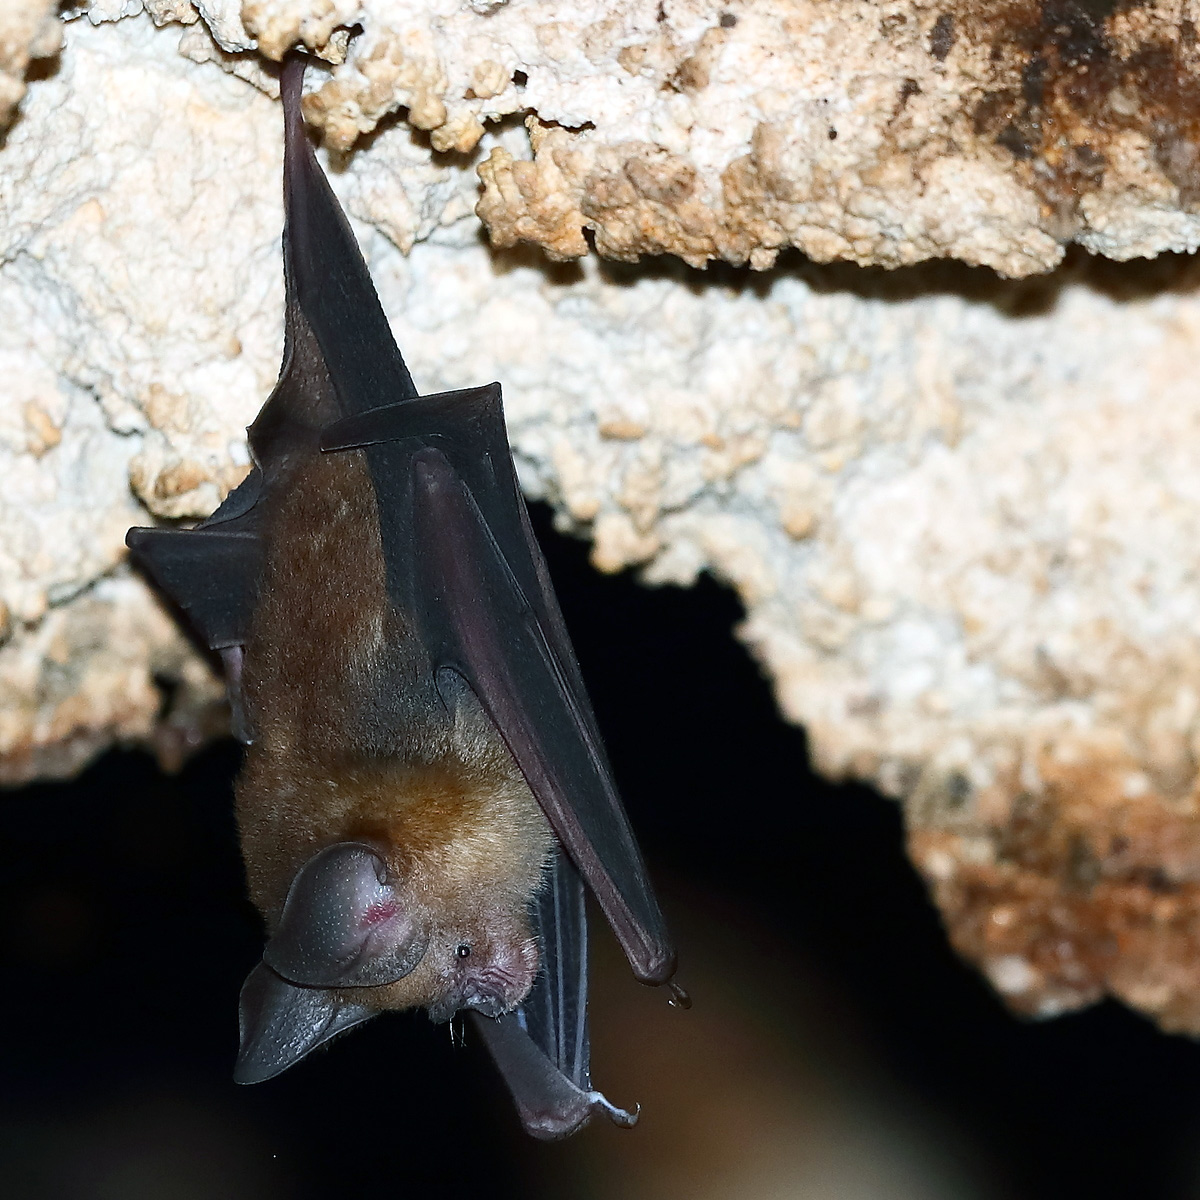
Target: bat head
(351, 921)
(354, 939)
(388, 881)
(490, 967)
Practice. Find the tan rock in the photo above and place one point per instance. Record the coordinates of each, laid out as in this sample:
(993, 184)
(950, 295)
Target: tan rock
(28, 31)
(108, 668)
(887, 134)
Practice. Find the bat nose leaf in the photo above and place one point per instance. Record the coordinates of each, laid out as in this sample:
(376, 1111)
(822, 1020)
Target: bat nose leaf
(344, 924)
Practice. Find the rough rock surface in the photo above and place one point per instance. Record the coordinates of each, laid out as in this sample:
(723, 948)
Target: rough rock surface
(873, 132)
(29, 30)
(962, 513)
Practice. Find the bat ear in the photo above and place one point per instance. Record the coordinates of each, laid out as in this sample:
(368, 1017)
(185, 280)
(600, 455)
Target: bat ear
(345, 924)
(280, 1023)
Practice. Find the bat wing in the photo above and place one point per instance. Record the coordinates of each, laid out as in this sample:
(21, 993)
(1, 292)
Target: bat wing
(210, 573)
(459, 552)
(541, 1049)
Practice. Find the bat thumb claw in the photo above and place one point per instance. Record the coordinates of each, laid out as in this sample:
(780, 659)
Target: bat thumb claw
(679, 998)
(618, 1116)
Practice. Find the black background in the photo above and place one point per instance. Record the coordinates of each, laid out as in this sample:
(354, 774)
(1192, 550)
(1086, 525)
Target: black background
(125, 936)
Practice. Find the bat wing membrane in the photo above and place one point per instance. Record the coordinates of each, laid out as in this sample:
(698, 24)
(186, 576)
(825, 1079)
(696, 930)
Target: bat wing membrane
(211, 576)
(542, 1048)
(457, 544)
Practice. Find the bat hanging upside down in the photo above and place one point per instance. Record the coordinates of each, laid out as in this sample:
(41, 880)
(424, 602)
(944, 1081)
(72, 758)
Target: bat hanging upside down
(424, 791)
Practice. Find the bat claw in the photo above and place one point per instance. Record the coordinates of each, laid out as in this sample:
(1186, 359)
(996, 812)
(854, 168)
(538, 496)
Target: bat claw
(679, 998)
(619, 1116)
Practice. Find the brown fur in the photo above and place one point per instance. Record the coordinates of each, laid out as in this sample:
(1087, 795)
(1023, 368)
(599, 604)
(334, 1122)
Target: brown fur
(442, 800)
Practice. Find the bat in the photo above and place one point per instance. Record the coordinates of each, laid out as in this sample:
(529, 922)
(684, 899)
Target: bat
(424, 793)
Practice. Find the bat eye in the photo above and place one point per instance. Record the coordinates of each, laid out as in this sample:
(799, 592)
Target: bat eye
(464, 951)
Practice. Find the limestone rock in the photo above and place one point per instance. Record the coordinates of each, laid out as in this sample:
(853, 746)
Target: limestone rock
(962, 513)
(876, 133)
(29, 30)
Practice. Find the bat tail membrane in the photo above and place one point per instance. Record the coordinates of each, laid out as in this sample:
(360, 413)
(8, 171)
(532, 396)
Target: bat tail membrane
(541, 1049)
(334, 326)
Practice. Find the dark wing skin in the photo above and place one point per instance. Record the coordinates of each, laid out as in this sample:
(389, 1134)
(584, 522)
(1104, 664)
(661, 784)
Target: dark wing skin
(463, 564)
(542, 1048)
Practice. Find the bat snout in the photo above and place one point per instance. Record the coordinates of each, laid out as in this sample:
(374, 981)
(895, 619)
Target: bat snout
(499, 984)
(494, 992)
(488, 981)
(487, 1003)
